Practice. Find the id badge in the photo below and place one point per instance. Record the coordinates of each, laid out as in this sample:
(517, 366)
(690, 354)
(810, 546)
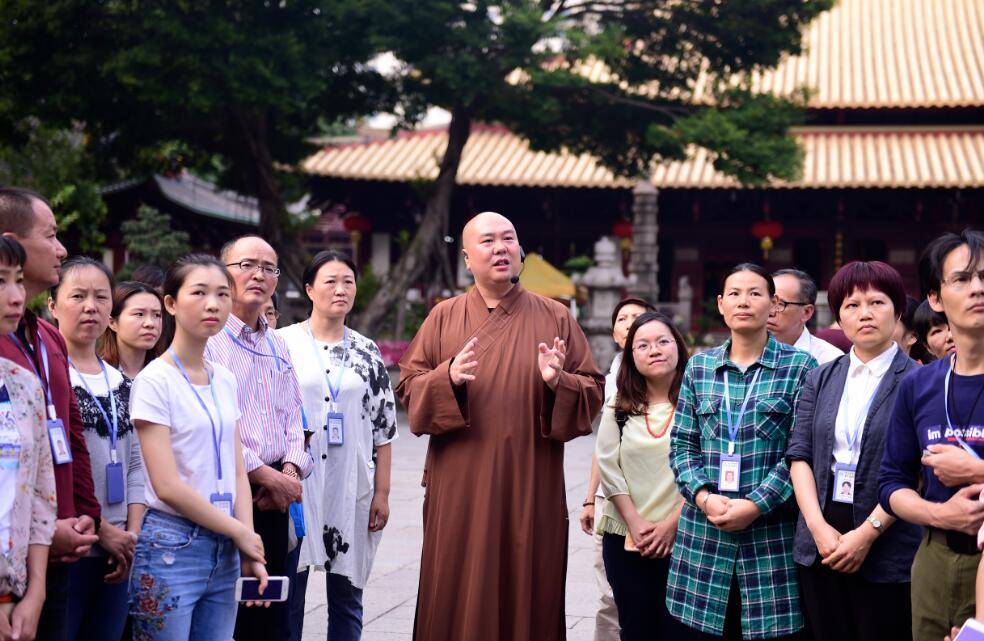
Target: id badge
(336, 428)
(844, 482)
(114, 483)
(60, 450)
(223, 501)
(10, 456)
(730, 480)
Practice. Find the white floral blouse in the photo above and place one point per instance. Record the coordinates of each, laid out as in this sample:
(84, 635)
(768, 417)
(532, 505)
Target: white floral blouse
(32, 515)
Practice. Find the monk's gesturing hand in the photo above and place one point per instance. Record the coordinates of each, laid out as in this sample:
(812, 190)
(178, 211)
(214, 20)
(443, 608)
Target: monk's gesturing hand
(463, 365)
(551, 362)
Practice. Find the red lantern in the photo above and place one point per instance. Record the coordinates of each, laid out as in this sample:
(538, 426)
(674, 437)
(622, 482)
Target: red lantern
(356, 223)
(767, 231)
(622, 229)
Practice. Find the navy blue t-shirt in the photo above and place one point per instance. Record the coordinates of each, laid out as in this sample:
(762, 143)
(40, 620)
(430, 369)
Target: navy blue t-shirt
(919, 420)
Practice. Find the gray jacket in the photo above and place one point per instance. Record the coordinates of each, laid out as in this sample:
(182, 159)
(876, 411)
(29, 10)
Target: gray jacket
(812, 440)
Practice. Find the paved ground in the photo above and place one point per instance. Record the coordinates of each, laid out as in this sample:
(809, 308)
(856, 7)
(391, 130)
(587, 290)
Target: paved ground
(391, 594)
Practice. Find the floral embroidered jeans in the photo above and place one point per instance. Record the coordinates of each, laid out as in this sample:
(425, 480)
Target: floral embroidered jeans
(183, 582)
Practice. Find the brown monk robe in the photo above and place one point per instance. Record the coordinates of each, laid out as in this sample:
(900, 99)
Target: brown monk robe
(495, 513)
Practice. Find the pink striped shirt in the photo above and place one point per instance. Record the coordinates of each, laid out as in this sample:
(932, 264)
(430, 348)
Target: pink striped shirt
(269, 396)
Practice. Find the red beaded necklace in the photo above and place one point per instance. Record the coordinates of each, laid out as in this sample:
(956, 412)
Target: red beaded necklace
(665, 427)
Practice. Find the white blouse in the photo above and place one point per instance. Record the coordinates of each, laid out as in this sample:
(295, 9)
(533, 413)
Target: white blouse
(339, 491)
(860, 387)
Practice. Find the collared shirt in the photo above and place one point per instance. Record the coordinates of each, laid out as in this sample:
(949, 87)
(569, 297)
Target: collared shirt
(269, 396)
(862, 382)
(705, 558)
(816, 347)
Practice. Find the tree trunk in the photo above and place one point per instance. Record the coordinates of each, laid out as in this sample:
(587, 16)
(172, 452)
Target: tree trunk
(429, 238)
(273, 213)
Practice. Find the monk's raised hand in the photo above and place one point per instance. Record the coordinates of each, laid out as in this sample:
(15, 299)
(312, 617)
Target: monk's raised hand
(463, 365)
(551, 362)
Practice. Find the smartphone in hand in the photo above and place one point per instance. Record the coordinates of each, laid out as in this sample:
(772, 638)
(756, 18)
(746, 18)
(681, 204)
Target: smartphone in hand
(248, 589)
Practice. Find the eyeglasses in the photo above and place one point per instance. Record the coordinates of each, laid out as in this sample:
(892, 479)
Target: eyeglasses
(254, 266)
(781, 304)
(643, 347)
(960, 281)
(273, 314)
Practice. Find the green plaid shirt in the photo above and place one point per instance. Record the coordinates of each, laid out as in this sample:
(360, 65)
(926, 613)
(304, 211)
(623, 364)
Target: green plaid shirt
(705, 559)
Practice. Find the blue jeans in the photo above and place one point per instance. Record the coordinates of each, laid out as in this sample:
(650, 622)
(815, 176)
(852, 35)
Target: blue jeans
(183, 582)
(96, 609)
(344, 609)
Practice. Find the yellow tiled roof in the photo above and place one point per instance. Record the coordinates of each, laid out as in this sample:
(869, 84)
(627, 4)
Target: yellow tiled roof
(878, 54)
(886, 157)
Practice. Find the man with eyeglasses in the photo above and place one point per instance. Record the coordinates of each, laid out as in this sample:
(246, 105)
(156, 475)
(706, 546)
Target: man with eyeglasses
(270, 404)
(796, 295)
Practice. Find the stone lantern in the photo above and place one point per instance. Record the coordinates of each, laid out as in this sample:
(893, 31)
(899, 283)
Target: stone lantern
(605, 282)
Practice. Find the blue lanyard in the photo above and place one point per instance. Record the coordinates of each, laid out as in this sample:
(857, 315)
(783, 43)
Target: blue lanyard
(216, 439)
(336, 389)
(735, 425)
(946, 408)
(110, 426)
(46, 380)
(273, 352)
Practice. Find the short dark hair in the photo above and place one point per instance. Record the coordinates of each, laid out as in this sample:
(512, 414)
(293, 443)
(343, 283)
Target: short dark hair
(12, 253)
(862, 275)
(755, 269)
(907, 317)
(321, 259)
(925, 319)
(227, 247)
(632, 395)
(79, 262)
(631, 300)
(183, 266)
(109, 349)
(17, 210)
(275, 300)
(808, 286)
(933, 257)
(149, 274)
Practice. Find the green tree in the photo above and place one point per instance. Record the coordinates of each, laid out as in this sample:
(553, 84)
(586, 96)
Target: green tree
(241, 81)
(150, 240)
(54, 162)
(521, 62)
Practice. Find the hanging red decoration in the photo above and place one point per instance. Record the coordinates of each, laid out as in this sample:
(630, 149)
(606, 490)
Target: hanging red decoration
(622, 229)
(356, 223)
(767, 231)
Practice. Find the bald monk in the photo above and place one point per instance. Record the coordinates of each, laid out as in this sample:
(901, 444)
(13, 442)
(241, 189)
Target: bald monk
(499, 378)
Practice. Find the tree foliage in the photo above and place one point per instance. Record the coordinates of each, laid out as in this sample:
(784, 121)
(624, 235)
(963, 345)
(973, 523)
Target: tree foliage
(243, 81)
(151, 240)
(618, 80)
(54, 162)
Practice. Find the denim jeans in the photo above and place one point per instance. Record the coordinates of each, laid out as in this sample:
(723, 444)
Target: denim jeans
(53, 624)
(344, 609)
(183, 582)
(96, 609)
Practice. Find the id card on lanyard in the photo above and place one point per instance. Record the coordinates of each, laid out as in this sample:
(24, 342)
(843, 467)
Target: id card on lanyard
(946, 410)
(730, 463)
(335, 419)
(115, 483)
(222, 500)
(61, 451)
(845, 472)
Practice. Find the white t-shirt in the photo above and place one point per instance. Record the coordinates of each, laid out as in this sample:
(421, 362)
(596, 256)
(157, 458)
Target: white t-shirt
(161, 395)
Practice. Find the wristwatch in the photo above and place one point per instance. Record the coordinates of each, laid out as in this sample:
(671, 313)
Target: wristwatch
(875, 523)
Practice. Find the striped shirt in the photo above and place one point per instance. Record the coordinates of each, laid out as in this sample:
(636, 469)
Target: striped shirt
(269, 396)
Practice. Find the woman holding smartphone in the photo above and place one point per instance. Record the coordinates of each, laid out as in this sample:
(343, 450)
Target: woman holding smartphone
(200, 515)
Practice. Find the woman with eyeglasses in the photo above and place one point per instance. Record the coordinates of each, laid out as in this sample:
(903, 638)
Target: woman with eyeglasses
(350, 408)
(639, 522)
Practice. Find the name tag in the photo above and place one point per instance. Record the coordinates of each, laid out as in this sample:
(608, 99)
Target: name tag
(336, 428)
(223, 501)
(115, 484)
(730, 480)
(844, 482)
(60, 451)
